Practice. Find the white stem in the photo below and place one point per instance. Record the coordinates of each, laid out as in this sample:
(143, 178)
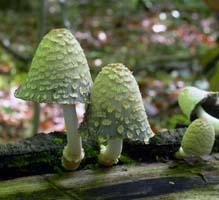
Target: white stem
(110, 154)
(73, 151)
(203, 114)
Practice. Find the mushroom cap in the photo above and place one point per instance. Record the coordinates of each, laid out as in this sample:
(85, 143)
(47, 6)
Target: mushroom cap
(59, 71)
(189, 98)
(199, 138)
(116, 108)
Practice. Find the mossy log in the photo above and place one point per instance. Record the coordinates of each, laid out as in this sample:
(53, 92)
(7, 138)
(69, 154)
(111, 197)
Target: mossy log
(41, 154)
(133, 180)
(145, 181)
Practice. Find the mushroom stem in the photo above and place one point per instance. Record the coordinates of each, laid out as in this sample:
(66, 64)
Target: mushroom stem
(36, 118)
(73, 152)
(212, 120)
(110, 154)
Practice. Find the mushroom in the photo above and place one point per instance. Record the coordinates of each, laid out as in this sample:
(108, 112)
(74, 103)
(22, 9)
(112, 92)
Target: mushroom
(195, 102)
(198, 140)
(116, 111)
(60, 74)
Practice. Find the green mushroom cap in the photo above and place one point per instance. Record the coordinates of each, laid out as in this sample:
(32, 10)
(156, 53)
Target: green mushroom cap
(59, 71)
(198, 139)
(189, 99)
(116, 108)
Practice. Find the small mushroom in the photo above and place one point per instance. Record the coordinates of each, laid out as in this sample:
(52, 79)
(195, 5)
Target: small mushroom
(192, 101)
(60, 74)
(198, 140)
(116, 111)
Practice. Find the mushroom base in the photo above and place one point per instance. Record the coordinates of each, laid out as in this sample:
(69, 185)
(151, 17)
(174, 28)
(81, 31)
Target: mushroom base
(70, 165)
(110, 154)
(71, 161)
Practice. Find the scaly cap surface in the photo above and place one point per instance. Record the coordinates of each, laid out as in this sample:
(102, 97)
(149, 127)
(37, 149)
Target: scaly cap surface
(59, 71)
(116, 108)
(199, 138)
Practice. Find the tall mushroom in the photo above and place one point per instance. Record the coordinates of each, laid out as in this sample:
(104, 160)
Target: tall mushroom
(192, 101)
(60, 74)
(198, 140)
(116, 111)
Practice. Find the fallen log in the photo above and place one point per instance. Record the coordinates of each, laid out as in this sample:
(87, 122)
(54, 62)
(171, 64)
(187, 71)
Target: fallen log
(42, 153)
(145, 181)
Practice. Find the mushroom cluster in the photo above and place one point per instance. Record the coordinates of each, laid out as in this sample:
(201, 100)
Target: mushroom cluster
(59, 73)
(116, 111)
(199, 137)
(191, 101)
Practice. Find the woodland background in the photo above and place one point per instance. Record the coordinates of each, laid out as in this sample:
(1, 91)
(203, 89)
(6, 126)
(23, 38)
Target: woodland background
(167, 44)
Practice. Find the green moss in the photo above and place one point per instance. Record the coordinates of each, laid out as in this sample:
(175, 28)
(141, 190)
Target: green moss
(58, 141)
(24, 162)
(92, 166)
(91, 152)
(186, 168)
(126, 160)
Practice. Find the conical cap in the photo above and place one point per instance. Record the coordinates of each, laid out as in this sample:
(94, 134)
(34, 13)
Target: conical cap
(59, 71)
(198, 139)
(116, 108)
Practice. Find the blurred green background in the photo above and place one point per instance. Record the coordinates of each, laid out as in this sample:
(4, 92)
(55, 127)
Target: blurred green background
(167, 44)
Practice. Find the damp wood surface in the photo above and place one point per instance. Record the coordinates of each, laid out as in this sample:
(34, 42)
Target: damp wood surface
(165, 181)
(42, 153)
(31, 169)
